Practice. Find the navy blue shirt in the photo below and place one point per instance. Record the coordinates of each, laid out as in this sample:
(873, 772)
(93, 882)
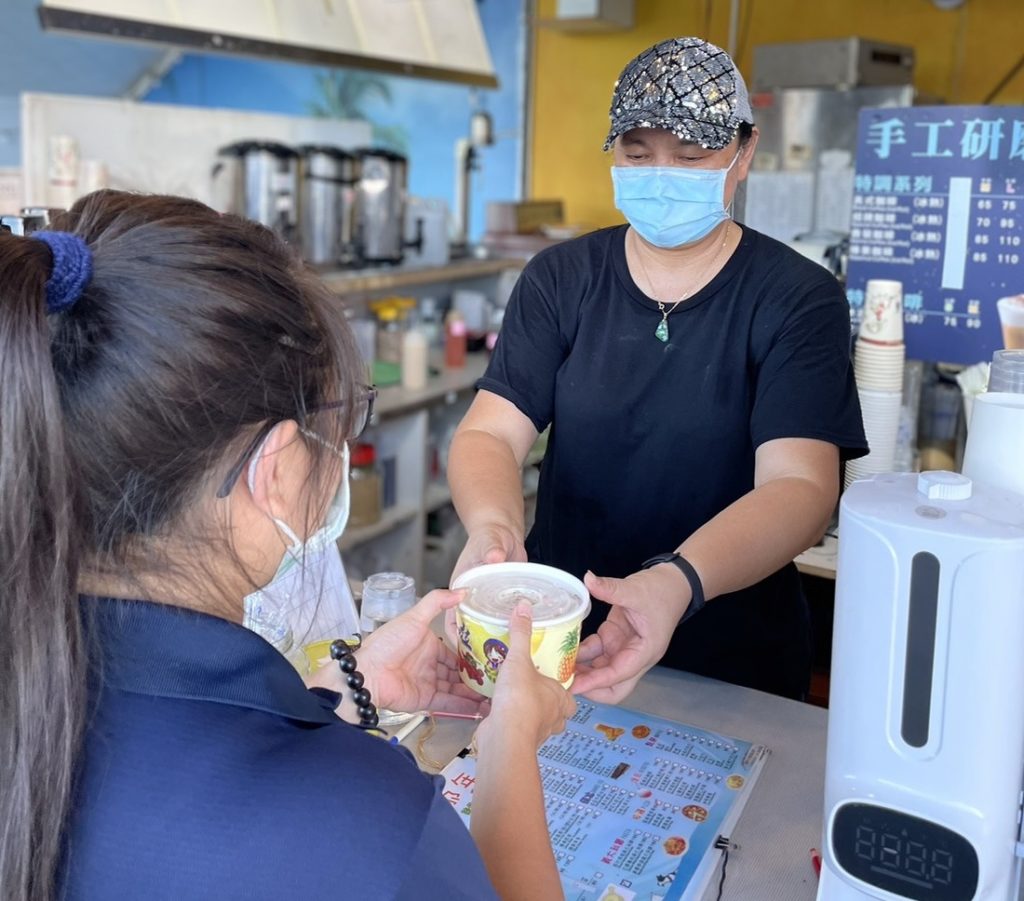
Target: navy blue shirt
(650, 440)
(210, 771)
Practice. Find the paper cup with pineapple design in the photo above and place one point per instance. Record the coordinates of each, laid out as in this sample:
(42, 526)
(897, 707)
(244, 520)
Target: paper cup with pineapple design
(559, 602)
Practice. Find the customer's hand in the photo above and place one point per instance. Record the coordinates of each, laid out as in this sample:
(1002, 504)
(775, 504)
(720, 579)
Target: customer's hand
(407, 666)
(646, 608)
(491, 543)
(526, 706)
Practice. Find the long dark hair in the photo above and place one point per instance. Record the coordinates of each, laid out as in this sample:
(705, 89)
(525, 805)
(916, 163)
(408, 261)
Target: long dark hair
(116, 415)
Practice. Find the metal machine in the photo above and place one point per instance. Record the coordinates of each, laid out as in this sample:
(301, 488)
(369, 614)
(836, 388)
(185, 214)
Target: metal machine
(380, 200)
(805, 101)
(481, 134)
(327, 179)
(259, 180)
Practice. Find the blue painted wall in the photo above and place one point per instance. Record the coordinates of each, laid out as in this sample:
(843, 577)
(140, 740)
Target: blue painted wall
(34, 60)
(429, 116)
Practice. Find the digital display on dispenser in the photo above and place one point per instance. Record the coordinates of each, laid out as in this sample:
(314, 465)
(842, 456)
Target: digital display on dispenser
(905, 855)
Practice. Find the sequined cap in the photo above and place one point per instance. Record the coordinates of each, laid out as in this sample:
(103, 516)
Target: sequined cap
(686, 85)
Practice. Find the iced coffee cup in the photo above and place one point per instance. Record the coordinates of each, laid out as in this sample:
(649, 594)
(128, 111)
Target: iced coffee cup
(1011, 317)
(559, 603)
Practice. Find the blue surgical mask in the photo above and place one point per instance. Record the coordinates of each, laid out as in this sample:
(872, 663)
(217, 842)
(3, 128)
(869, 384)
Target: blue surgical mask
(669, 205)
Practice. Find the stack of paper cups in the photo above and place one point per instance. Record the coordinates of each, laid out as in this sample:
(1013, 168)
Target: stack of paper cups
(879, 355)
(62, 172)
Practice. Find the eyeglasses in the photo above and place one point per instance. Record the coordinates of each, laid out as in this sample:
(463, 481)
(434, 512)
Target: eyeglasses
(363, 414)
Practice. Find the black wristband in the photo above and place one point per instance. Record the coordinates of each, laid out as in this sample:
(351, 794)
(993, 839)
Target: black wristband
(686, 568)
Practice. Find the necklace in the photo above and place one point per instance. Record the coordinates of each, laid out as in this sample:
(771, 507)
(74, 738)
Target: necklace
(661, 332)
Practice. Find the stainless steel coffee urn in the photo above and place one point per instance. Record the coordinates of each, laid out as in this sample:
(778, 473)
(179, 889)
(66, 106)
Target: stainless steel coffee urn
(259, 180)
(327, 179)
(380, 205)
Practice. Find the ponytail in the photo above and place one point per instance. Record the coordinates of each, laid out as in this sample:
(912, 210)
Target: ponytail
(129, 379)
(42, 668)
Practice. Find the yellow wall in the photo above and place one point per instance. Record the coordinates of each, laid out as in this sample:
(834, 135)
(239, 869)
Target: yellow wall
(961, 56)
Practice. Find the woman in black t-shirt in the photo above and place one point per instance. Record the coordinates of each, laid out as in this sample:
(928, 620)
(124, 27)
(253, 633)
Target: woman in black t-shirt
(696, 379)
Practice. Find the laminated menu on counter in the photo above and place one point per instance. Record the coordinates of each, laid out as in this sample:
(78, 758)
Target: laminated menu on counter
(635, 803)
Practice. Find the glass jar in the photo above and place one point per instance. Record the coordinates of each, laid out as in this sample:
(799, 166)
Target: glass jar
(365, 486)
(389, 336)
(385, 596)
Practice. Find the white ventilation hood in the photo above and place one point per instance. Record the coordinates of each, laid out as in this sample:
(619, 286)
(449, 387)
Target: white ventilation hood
(436, 39)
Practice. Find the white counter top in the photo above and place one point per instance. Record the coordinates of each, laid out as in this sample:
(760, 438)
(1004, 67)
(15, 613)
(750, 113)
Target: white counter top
(820, 560)
(783, 818)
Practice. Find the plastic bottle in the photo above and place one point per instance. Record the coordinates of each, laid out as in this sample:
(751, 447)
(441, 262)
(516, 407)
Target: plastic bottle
(414, 359)
(454, 340)
(497, 316)
(430, 321)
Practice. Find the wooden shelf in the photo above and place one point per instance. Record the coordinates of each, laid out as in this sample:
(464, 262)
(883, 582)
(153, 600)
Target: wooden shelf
(365, 281)
(395, 399)
(390, 519)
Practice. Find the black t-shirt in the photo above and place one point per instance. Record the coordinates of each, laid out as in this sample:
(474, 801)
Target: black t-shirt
(650, 440)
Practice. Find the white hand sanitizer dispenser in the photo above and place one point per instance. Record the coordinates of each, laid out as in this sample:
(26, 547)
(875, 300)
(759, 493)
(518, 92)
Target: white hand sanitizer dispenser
(926, 723)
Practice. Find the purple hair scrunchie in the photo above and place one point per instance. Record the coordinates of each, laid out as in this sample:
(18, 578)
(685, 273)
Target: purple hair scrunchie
(72, 268)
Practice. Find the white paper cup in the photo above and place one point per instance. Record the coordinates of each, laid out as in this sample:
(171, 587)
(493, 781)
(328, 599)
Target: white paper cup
(995, 441)
(879, 380)
(560, 602)
(866, 361)
(1011, 317)
(883, 311)
(881, 402)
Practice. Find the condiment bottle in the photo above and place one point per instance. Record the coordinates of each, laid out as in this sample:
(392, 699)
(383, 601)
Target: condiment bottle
(454, 340)
(389, 335)
(414, 359)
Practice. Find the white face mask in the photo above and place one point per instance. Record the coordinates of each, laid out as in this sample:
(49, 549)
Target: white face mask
(288, 611)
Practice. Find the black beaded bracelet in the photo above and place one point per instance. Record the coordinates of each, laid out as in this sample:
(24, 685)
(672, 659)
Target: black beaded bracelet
(344, 652)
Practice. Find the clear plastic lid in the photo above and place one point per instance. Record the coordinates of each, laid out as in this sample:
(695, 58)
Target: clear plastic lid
(496, 589)
(386, 595)
(1007, 372)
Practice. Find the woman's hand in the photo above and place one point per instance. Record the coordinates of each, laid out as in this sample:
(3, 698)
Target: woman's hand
(407, 666)
(526, 706)
(646, 608)
(490, 543)
(508, 822)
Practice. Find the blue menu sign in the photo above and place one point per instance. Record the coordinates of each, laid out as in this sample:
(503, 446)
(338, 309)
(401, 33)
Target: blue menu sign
(939, 205)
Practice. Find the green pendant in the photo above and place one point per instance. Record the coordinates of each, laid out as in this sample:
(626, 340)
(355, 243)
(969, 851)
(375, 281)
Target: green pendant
(661, 332)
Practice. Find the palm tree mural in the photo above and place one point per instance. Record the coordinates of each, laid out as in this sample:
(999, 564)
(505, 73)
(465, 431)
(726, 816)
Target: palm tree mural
(343, 93)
